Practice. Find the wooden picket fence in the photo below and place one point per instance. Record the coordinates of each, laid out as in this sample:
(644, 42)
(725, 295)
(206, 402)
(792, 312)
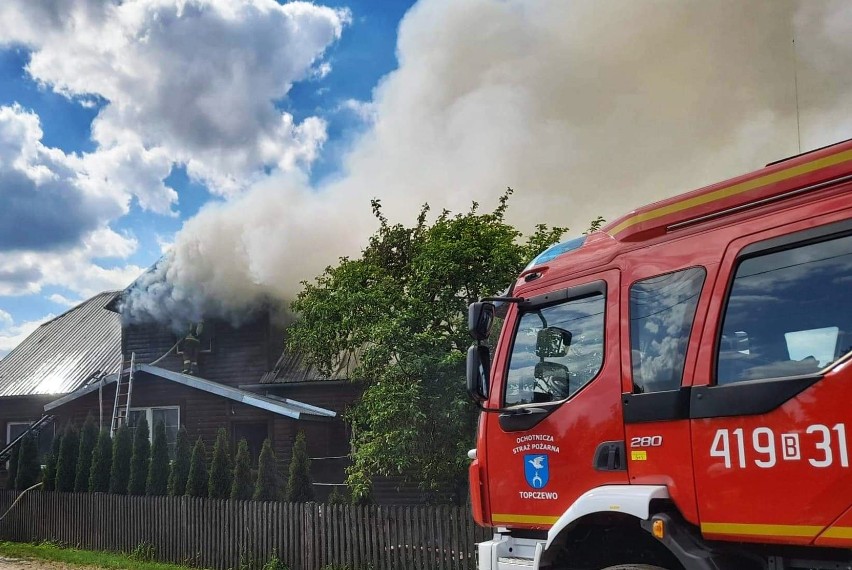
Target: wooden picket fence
(222, 534)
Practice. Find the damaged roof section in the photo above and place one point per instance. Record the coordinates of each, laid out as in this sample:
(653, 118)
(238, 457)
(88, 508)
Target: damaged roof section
(62, 354)
(294, 368)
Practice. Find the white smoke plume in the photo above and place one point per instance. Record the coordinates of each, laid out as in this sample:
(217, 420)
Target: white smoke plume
(586, 108)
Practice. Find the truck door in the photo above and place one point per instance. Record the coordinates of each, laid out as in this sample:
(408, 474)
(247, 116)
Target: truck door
(559, 379)
(770, 417)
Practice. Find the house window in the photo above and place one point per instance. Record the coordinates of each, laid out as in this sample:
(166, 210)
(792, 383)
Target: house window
(254, 434)
(206, 338)
(45, 437)
(169, 415)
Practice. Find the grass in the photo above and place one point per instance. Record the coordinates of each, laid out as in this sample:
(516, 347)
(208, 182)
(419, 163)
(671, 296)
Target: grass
(48, 551)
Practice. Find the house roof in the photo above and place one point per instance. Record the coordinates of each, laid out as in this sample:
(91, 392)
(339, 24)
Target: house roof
(281, 406)
(294, 368)
(63, 353)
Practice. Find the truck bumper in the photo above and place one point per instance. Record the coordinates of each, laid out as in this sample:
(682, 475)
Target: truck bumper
(505, 552)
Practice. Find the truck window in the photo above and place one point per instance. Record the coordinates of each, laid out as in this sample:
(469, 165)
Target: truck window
(558, 372)
(662, 310)
(789, 312)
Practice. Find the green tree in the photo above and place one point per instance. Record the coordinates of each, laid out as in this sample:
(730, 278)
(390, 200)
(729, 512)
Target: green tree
(101, 463)
(180, 467)
(300, 488)
(122, 448)
(49, 473)
(396, 319)
(66, 466)
(28, 465)
(221, 468)
(140, 458)
(88, 439)
(241, 489)
(158, 471)
(196, 483)
(12, 472)
(268, 485)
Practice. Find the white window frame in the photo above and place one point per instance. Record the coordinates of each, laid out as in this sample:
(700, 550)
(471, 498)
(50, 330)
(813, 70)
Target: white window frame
(15, 423)
(149, 416)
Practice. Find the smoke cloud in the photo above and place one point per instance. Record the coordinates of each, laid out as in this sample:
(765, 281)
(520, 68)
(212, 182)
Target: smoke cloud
(586, 108)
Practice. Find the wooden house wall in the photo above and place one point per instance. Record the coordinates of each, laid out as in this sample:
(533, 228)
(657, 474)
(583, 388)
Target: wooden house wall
(240, 355)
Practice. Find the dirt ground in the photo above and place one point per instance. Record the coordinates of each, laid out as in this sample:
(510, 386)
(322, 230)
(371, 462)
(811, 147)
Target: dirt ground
(21, 564)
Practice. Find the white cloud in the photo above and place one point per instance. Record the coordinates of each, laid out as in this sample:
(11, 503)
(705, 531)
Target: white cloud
(63, 300)
(185, 81)
(12, 334)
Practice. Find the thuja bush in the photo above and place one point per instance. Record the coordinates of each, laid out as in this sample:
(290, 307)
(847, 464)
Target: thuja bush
(66, 466)
(119, 474)
(158, 471)
(88, 439)
(28, 464)
(140, 458)
(101, 463)
(196, 483)
(300, 488)
(268, 485)
(241, 489)
(221, 468)
(180, 467)
(49, 473)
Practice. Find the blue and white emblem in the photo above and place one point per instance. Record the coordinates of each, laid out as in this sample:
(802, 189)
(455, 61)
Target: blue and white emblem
(536, 470)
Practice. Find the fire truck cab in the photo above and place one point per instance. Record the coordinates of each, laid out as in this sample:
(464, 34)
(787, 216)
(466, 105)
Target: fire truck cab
(675, 390)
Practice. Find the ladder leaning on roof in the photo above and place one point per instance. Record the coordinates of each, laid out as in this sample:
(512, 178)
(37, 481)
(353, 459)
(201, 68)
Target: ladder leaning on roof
(123, 393)
(34, 429)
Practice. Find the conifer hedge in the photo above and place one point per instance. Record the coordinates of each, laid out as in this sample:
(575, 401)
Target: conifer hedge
(140, 458)
(180, 468)
(119, 474)
(242, 488)
(101, 463)
(12, 472)
(88, 439)
(28, 464)
(221, 468)
(49, 475)
(268, 485)
(66, 465)
(158, 471)
(196, 483)
(300, 488)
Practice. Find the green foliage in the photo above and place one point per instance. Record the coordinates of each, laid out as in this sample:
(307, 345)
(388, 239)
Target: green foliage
(338, 496)
(400, 313)
(143, 552)
(119, 474)
(140, 458)
(157, 482)
(49, 473)
(595, 225)
(300, 488)
(274, 563)
(12, 472)
(180, 466)
(268, 485)
(101, 463)
(28, 465)
(88, 439)
(196, 483)
(241, 489)
(66, 466)
(221, 468)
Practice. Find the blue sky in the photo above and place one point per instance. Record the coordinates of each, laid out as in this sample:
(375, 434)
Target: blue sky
(248, 137)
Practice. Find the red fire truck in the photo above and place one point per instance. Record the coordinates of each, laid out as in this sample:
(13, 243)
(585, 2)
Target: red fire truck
(675, 390)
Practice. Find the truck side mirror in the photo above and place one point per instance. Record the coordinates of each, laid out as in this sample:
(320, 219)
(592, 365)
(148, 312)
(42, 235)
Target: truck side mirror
(552, 342)
(478, 371)
(480, 318)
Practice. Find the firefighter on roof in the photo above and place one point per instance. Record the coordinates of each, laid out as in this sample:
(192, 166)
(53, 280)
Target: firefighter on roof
(191, 348)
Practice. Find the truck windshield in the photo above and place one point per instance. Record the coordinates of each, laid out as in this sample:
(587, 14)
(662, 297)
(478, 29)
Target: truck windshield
(537, 376)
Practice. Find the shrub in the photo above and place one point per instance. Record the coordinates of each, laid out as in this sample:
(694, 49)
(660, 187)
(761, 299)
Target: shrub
(119, 474)
(274, 563)
(28, 465)
(196, 483)
(180, 467)
(66, 466)
(268, 485)
(49, 475)
(300, 488)
(338, 496)
(101, 463)
(88, 439)
(158, 471)
(140, 458)
(221, 469)
(241, 489)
